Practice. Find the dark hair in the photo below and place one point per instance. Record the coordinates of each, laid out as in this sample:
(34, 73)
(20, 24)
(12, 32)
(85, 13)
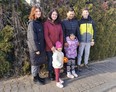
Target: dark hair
(71, 34)
(32, 15)
(58, 20)
(85, 9)
(70, 9)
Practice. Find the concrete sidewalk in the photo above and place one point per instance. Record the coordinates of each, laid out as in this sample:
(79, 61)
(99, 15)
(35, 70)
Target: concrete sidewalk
(102, 78)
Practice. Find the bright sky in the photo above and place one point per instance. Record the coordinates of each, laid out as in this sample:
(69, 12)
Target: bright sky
(28, 1)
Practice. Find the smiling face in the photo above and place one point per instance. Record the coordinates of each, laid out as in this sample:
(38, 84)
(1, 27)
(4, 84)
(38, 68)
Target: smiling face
(70, 14)
(54, 15)
(37, 13)
(85, 14)
(59, 49)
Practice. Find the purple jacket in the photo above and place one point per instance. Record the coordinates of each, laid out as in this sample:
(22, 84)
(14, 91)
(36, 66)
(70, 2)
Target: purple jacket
(71, 50)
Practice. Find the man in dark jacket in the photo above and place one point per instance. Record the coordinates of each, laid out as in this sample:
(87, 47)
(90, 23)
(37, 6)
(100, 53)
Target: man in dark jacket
(87, 36)
(70, 26)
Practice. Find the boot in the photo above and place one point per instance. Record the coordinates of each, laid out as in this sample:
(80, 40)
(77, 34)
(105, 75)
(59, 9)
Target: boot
(36, 80)
(41, 79)
(51, 76)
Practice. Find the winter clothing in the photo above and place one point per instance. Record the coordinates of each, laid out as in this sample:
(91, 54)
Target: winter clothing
(50, 67)
(35, 40)
(71, 68)
(58, 45)
(49, 58)
(57, 59)
(70, 26)
(39, 80)
(70, 65)
(57, 62)
(71, 50)
(87, 30)
(57, 73)
(53, 33)
(71, 53)
(34, 70)
(87, 35)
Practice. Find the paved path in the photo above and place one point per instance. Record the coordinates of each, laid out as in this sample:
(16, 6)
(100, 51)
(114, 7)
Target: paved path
(102, 78)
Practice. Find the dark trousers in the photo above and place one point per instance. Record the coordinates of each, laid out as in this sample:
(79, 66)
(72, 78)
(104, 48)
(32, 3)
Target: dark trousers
(49, 58)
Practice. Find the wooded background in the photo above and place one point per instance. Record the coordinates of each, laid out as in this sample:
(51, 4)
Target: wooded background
(14, 58)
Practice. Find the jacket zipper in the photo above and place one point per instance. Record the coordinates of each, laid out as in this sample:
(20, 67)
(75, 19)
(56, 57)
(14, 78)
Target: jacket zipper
(86, 32)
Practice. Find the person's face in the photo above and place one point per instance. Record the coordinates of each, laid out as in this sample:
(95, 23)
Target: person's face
(54, 15)
(37, 13)
(85, 14)
(70, 14)
(59, 49)
(72, 37)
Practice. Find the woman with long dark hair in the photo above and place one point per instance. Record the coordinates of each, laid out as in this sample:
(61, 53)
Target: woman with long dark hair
(53, 33)
(36, 44)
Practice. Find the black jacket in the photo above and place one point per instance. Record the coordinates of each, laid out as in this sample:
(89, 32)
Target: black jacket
(35, 40)
(69, 27)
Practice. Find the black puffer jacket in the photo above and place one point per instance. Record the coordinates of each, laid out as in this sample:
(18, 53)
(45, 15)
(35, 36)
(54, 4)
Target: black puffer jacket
(35, 40)
(70, 26)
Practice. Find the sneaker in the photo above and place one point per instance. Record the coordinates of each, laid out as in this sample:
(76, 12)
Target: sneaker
(69, 75)
(86, 66)
(79, 68)
(58, 84)
(74, 74)
(61, 81)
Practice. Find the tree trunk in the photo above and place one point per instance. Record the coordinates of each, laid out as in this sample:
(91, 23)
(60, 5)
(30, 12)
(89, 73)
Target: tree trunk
(1, 17)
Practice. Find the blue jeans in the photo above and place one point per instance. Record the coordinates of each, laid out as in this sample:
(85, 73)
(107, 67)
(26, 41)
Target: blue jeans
(49, 58)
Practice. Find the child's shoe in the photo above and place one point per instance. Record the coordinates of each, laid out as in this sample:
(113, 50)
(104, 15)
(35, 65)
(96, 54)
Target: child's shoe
(69, 75)
(58, 84)
(74, 74)
(61, 81)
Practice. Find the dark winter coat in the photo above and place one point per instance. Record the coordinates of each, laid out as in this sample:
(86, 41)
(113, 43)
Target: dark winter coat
(70, 27)
(35, 40)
